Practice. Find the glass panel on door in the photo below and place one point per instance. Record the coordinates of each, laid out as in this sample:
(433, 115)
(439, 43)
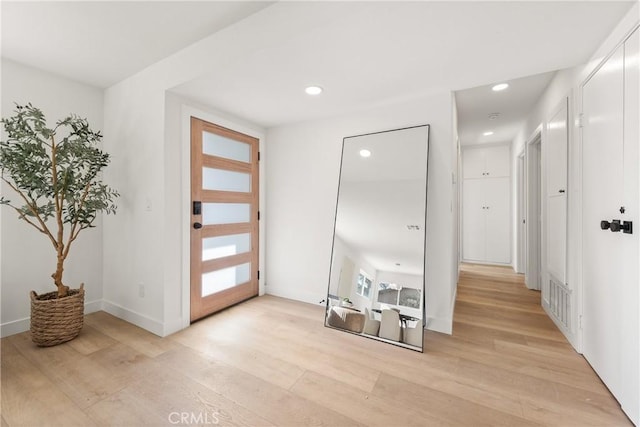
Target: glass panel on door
(225, 213)
(219, 146)
(225, 278)
(222, 246)
(224, 180)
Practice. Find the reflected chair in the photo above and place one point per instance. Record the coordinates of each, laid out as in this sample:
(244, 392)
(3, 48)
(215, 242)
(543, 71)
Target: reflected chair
(343, 318)
(413, 336)
(390, 325)
(371, 325)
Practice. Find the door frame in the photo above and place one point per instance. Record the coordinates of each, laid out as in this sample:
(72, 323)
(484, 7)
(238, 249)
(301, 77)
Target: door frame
(534, 208)
(188, 111)
(521, 227)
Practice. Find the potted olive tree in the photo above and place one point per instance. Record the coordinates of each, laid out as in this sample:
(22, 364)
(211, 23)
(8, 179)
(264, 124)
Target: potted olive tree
(54, 175)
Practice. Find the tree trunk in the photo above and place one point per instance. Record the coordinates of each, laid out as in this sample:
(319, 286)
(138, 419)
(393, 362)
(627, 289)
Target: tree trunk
(57, 277)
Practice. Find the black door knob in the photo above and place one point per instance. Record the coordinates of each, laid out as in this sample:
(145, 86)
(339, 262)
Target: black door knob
(197, 225)
(616, 226)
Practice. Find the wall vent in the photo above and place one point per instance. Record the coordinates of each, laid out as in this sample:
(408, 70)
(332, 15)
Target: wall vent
(560, 302)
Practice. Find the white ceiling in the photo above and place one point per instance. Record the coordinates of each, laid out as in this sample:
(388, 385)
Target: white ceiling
(513, 106)
(103, 42)
(371, 53)
(363, 53)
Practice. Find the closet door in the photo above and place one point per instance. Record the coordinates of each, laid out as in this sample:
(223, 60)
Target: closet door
(611, 192)
(497, 161)
(557, 142)
(498, 220)
(473, 163)
(473, 220)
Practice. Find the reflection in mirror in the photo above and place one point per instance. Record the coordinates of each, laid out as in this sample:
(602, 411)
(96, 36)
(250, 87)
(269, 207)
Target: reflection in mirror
(376, 283)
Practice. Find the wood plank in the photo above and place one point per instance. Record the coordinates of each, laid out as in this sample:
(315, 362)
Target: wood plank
(216, 196)
(30, 398)
(363, 407)
(83, 380)
(271, 361)
(169, 392)
(441, 405)
(91, 340)
(274, 403)
(128, 334)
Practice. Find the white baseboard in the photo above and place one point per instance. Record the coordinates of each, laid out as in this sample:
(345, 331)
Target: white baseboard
(93, 306)
(174, 326)
(152, 325)
(308, 297)
(439, 324)
(442, 324)
(570, 336)
(15, 327)
(22, 325)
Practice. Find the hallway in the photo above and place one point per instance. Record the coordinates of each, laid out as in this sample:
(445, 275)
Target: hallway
(270, 361)
(505, 343)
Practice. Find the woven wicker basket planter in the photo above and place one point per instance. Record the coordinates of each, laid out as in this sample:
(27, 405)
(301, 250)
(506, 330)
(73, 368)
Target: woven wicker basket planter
(56, 320)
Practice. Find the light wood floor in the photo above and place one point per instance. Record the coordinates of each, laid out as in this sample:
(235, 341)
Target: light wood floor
(271, 362)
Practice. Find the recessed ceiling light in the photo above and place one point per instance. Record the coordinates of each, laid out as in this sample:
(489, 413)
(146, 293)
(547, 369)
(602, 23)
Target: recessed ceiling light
(488, 133)
(313, 90)
(365, 153)
(499, 87)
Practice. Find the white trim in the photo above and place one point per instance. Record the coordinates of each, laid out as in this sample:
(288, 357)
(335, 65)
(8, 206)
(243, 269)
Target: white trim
(187, 112)
(15, 327)
(487, 145)
(93, 306)
(534, 246)
(521, 227)
(296, 295)
(22, 325)
(152, 325)
(440, 324)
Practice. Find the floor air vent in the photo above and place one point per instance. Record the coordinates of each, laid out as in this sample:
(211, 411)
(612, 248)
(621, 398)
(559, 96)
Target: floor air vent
(560, 302)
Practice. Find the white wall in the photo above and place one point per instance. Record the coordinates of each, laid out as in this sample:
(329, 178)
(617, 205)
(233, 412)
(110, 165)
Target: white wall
(28, 258)
(566, 84)
(140, 246)
(304, 163)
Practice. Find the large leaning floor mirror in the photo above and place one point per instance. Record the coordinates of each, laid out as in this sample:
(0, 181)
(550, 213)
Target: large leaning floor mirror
(376, 283)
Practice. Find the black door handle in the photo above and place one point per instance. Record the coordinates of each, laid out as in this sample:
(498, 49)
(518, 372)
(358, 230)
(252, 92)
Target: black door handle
(197, 225)
(616, 226)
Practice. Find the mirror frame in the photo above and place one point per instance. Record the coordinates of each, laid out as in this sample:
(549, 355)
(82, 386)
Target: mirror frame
(422, 321)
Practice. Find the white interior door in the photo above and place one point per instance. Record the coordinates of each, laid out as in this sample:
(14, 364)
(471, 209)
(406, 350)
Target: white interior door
(520, 217)
(534, 217)
(556, 170)
(611, 191)
(473, 220)
(497, 248)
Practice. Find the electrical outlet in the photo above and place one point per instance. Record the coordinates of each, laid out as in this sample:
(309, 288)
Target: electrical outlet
(141, 290)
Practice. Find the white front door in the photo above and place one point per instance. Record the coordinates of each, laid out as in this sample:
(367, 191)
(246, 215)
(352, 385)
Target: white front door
(611, 192)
